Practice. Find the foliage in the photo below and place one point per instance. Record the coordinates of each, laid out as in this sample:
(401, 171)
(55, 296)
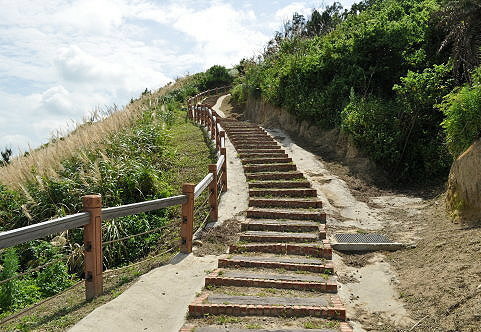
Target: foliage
(376, 62)
(462, 109)
(460, 21)
(6, 154)
(9, 269)
(146, 159)
(215, 76)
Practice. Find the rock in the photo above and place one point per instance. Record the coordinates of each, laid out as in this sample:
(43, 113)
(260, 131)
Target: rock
(464, 186)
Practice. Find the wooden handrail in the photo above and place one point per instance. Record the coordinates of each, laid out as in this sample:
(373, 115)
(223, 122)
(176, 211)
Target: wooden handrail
(199, 188)
(219, 163)
(135, 208)
(32, 232)
(94, 214)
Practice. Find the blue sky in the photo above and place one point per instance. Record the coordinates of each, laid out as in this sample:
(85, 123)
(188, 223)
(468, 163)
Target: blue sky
(59, 60)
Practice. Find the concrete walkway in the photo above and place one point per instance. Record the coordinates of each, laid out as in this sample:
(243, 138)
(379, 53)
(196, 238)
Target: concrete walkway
(158, 301)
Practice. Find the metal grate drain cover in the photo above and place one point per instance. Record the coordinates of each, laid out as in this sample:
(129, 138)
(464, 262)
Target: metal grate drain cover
(362, 238)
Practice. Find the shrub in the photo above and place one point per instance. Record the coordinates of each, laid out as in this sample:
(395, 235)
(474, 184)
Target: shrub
(215, 76)
(401, 143)
(9, 269)
(462, 109)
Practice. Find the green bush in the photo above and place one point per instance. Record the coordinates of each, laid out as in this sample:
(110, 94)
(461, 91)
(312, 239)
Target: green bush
(215, 76)
(400, 142)
(9, 269)
(462, 109)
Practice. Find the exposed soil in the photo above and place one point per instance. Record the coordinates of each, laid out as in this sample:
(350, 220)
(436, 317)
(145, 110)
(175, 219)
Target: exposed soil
(440, 279)
(216, 240)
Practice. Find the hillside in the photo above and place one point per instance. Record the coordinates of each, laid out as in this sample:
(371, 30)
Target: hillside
(144, 151)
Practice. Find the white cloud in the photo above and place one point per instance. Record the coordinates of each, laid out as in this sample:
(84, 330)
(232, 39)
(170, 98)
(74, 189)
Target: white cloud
(286, 12)
(63, 58)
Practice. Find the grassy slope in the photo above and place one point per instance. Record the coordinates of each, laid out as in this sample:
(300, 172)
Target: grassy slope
(190, 159)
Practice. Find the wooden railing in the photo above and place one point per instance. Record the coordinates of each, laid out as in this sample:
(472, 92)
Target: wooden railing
(198, 98)
(91, 220)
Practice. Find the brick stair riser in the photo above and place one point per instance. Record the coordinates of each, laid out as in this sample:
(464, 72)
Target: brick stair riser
(260, 145)
(329, 269)
(283, 193)
(270, 168)
(286, 184)
(245, 131)
(264, 160)
(285, 203)
(274, 239)
(321, 217)
(257, 146)
(246, 134)
(284, 249)
(275, 176)
(322, 287)
(200, 310)
(283, 228)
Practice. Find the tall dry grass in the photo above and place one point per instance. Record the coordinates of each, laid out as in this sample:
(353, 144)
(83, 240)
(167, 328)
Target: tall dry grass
(92, 134)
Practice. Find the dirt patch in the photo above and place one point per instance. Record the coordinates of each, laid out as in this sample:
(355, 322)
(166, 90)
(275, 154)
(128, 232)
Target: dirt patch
(216, 240)
(440, 279)
(356, 259)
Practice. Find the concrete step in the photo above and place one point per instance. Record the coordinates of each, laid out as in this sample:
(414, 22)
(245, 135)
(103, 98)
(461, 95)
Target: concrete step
(265, 160)
(275, 176)
(263, 236)
(325, 306)
(290, 192)
(318, 283)
(303, 203)
(258, 138)
(343, 327)
(316, 249)
(269, 168)
(280, 184)
(297, 214)
(284, 226)
(279, 262)
(268, 154)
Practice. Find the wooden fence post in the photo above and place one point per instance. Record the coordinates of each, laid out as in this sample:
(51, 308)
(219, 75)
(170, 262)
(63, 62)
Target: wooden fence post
(224, 169)
(214, 207)
(212, 126)
(93, 266)
(187, 226)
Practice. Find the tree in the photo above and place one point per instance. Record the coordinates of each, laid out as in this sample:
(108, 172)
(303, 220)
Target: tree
(321, 24)
(6, 154)
(460, 20)
(215, 76)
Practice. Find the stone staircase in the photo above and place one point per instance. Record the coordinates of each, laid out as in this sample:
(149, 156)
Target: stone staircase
(281, 267)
